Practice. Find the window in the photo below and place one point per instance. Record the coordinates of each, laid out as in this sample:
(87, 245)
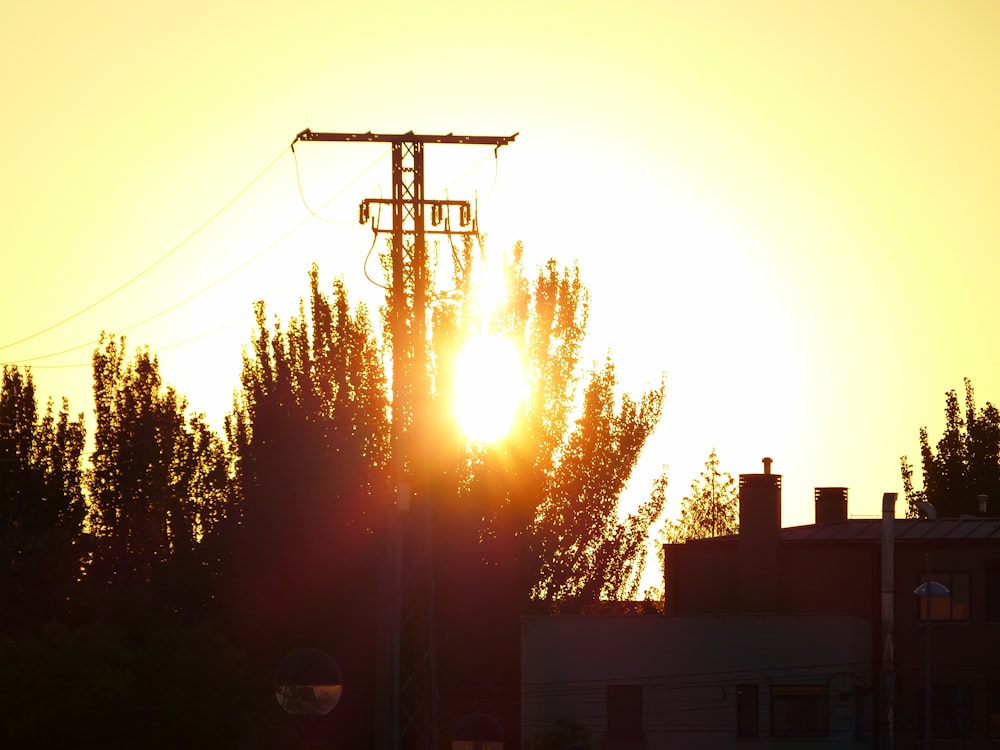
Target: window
(993, 709)
(798, 711)
(747, 712)
(953, 607)
(951, 711)
(993, 592)
(624, 707)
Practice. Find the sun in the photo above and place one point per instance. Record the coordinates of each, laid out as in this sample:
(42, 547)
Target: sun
(489, 387)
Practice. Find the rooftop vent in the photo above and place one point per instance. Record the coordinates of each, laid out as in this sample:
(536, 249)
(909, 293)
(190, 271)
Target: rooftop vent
(831, 504)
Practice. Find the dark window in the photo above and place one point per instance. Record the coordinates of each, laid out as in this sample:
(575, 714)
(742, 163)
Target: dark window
(951, 711)
(954, 606)
(747, 712)
(624, 706)
(993, 708)
(993, 592)
(798, 711)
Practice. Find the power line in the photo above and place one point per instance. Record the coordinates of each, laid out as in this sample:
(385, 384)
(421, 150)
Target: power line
(166, 347)
(302, 196)
(263, 251)
(155, 263)
(253, 258)
(170, 308)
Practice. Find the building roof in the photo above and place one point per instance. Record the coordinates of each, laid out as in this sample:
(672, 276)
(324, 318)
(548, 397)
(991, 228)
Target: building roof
(905, 529)
(972, 528)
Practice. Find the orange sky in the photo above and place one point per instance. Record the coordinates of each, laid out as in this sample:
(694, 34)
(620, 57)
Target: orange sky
(788, 207)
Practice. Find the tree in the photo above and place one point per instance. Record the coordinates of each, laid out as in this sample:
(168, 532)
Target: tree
(41, 503)
(531, 521)
(64, 686)
(964, 463)
(534, 514)
(710, 509)
(158, 477)
(308, 522)
(165, 684)
(546, 500)
(310, 431)
(587, 552)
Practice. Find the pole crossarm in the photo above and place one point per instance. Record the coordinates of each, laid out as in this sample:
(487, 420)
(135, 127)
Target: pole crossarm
(439, 212)
(411, 137)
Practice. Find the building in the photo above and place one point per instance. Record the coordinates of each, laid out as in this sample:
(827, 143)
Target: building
(804, 637)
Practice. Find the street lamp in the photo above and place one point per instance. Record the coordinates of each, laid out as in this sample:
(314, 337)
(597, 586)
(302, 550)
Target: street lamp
(928, 589)
(308, 681)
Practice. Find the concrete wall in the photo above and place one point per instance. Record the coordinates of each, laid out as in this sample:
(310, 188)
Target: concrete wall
(690, 668)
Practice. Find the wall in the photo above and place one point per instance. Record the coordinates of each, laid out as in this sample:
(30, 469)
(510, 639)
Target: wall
(690, 668)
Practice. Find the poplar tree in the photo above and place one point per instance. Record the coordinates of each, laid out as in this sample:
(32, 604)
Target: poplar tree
(535, 515)
(542, 504)
(158, 476)
(310, 433)
(41, 503)
(964, 463)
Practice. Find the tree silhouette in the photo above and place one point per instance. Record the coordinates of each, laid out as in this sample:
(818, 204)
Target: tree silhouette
(41, 504)
(532, 520)
(158, 477)
(535, 514)
(545, 500)
(710, 509)
(965, 462)
(304, 543)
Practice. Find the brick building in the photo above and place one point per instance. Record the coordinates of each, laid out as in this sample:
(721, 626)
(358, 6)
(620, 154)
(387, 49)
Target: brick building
(810, 636)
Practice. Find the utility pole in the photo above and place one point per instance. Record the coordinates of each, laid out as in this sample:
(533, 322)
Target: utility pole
(407, 717)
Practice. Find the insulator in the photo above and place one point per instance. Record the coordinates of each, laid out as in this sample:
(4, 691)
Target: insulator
(435, 214)
(363, 213)
(464, 215)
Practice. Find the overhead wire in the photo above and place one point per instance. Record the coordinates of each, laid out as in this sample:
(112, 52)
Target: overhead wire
(368, 255)
(267, 248)
(170, 308)
(302, 196)
(155, 263)
(163, 348)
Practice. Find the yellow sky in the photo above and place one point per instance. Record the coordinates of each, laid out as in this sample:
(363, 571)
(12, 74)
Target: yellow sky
(788, 207)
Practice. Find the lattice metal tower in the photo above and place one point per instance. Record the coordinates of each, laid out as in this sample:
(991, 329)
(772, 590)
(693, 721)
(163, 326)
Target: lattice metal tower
(407, 697)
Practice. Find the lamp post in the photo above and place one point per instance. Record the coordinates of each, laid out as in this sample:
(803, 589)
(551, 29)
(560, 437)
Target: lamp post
(308, 681)
(928, 589)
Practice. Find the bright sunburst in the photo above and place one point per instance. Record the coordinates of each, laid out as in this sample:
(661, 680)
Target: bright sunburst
(489, 386)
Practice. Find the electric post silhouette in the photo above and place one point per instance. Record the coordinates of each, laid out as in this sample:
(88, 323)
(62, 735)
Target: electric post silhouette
(407, 674)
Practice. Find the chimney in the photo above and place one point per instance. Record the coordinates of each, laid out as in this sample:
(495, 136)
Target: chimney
(831, 504)
(760, 536)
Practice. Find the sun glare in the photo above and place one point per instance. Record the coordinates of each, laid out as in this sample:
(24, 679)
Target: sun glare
(489, 386)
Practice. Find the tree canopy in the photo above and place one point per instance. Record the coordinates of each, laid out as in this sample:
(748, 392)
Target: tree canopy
(964, 463)
(547, 497)
(227, 551)
(41, 503)
(711, 507)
